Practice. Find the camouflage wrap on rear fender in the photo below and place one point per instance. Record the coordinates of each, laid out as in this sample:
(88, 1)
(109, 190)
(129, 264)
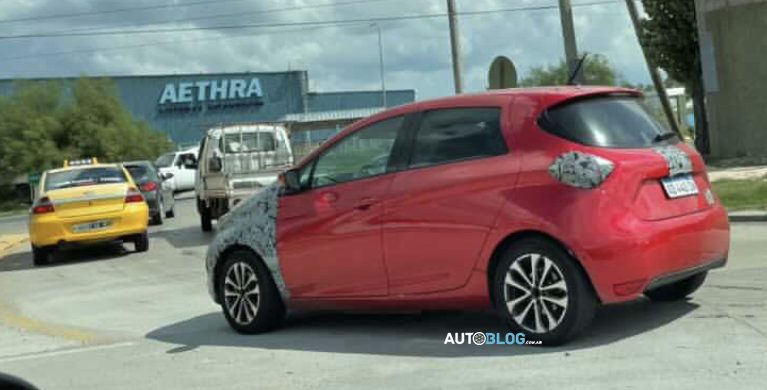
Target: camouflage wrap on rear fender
(251, 224)
(580, 170)
(677, 160)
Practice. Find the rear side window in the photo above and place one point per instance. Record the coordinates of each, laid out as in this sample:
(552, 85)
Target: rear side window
(458, 134)
(610, 122)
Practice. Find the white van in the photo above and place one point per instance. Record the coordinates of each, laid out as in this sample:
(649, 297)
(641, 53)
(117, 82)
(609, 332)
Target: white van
(182, 165)
(235, 162)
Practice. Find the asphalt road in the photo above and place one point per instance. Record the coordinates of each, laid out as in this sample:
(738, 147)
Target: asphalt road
(107, 318)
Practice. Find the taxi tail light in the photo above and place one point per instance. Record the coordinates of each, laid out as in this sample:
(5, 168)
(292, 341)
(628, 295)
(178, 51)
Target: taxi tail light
(149, 186)
(133, 196)
(43, 206)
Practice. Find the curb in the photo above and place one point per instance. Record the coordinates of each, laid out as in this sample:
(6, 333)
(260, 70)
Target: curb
(11, 241)
(748, 217)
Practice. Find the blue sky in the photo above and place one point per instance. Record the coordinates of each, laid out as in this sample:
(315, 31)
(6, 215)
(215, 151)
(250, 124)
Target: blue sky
(416, 52)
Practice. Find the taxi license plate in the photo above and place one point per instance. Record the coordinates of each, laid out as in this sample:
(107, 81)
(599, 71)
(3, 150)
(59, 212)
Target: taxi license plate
(679, 186)
(91, 226)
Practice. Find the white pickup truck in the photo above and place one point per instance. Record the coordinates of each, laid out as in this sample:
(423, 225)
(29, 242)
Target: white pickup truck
(236, 161)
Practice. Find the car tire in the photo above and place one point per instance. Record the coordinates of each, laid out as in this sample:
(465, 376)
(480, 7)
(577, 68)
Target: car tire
(141, 242)
(170, 213)
(156, 219)
(42, 255)
(236, 297)
(677, 290)
(551, 305)
(206, 222)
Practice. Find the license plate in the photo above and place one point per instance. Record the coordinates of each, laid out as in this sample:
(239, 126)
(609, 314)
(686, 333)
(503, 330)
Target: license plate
(91, 226)
(679, 186)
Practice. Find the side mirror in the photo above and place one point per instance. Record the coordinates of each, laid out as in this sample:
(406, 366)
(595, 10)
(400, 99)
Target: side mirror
(214, 164)
(166, 176)
(289, 182)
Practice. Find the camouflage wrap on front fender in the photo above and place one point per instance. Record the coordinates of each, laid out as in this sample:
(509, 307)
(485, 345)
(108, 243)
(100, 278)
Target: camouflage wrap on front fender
(252, 224)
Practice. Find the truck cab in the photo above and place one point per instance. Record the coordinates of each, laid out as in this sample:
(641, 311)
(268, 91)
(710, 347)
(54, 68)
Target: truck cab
(235, 162)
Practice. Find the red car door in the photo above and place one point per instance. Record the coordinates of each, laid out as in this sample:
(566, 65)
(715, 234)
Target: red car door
(440, 209)
(329, 236)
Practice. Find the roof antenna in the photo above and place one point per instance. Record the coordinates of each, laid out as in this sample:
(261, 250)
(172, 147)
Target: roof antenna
(581, 61)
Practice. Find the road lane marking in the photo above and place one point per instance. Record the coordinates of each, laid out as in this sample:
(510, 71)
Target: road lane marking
(12, 317)
(10, 241)
(65, 351)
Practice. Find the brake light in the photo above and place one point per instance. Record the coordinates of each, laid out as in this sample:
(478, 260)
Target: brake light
(133, 196)
(149, 186)
(43, 206)
(581, 170)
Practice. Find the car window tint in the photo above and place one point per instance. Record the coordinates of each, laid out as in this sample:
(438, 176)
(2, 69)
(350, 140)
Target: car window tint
(83, 177)
(458, 134)
(610, 122)
(362, 154)
(141, 173)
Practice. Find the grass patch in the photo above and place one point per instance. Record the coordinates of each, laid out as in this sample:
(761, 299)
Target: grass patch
(742, 194)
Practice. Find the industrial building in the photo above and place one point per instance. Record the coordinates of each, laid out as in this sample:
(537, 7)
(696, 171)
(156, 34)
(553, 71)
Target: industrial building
(185, 105)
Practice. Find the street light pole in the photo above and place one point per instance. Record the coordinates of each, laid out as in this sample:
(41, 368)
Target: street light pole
(381, 63)
(455, 46)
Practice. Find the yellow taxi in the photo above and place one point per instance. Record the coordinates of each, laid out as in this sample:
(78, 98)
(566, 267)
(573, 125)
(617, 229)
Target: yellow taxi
(86, 202)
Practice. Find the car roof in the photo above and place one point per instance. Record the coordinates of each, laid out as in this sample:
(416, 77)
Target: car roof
(138, 162)
(99, 165)
(544, 96)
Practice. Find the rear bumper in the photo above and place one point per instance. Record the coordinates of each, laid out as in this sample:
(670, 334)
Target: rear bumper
(629, 256)
(684, 274)
(50, 229)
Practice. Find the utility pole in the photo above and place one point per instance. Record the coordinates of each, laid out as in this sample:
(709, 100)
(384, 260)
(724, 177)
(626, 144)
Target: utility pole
(455, 46)
(568, 33)
(381, 64)
(654, 74)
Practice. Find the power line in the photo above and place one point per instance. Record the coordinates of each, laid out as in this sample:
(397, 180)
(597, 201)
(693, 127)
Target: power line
(236, 14)
(118, 10)
(294, 24)
(169, 42)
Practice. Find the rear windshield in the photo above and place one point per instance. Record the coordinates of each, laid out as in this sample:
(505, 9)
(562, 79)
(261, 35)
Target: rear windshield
(83, 177)
(611, 122)
(249, 142)
(141, 173)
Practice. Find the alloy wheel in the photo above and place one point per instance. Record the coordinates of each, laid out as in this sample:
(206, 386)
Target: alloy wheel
(242, 293)
(535, 293)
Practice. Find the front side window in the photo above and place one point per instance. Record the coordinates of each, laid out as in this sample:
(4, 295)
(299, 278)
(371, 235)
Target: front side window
(457, 134)
(364, 153)
(83, 177)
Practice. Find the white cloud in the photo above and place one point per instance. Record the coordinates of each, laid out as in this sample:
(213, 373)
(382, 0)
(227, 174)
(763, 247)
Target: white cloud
(417, 52)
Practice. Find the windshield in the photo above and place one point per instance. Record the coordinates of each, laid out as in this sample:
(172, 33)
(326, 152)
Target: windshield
(84, 177)
(165, 160)
(249, 142)
(610, 122)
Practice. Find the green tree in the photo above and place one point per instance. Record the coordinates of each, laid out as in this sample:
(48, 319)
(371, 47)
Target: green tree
(669, 35)
(40, 126)
(596, 71)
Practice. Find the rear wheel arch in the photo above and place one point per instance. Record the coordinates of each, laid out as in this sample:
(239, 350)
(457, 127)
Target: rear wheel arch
(518, 236)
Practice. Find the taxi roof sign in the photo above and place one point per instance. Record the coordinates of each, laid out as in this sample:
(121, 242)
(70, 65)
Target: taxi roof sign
(80, 162)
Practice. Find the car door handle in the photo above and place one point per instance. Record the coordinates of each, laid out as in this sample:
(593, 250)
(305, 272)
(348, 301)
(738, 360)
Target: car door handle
(365, 203)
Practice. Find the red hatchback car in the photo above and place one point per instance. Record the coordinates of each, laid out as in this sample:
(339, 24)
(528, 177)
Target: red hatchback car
(539, 203)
